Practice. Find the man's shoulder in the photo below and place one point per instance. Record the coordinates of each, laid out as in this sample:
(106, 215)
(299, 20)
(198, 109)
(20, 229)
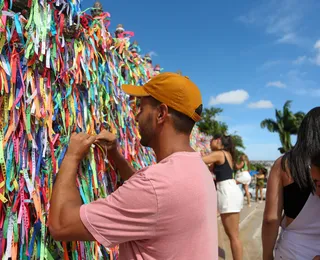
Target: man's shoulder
(152, 169)
(181, 161)
(155, 172)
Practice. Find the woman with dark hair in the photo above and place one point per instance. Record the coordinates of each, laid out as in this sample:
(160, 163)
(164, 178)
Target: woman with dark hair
(294, 187)
(230, 198)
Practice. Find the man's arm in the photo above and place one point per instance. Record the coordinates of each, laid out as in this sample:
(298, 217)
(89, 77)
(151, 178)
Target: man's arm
(64, 219)
(128, 214)
(273, 211)
(214, 157)
(239, 165)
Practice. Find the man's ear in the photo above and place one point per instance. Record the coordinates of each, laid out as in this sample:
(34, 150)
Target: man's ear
(163, 112)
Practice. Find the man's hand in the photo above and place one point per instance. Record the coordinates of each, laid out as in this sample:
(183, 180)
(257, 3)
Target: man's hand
(107, 140)
(316, 257)
(79, 145)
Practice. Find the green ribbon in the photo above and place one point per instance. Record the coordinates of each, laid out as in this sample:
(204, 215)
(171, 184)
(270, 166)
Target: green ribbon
(6, 223)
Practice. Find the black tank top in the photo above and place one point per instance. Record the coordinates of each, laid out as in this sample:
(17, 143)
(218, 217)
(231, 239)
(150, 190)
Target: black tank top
(223, 172)
(293, 200)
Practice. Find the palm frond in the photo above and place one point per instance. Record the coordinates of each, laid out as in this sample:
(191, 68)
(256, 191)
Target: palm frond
(270, 124)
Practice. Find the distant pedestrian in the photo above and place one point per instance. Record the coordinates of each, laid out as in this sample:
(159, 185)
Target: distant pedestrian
(260, 182)
(243, 176)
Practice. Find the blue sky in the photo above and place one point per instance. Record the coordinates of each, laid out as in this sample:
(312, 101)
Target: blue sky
(247, 57)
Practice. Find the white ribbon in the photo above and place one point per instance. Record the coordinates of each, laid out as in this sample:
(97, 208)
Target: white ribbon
(8, 252)
(33, 159)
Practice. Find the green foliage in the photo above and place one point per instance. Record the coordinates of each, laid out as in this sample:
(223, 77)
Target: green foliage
(256, 166)
(210, 125)
(286, 124)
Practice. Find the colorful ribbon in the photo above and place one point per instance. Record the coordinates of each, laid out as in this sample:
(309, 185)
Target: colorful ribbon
(60, 71)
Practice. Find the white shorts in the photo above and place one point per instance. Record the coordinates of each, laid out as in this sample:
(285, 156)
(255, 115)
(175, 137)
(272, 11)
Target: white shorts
(230, 197)
(243, 177)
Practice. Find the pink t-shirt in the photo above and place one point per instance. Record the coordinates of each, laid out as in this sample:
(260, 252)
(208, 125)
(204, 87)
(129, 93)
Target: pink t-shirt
(165, 211)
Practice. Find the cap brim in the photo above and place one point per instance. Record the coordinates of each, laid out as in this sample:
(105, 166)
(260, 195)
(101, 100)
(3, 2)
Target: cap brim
(136, 91)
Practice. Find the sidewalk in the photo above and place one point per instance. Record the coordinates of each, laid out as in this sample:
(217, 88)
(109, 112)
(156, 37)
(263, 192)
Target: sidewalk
(250, 233)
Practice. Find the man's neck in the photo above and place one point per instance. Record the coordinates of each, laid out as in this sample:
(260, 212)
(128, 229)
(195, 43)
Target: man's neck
(167, 146)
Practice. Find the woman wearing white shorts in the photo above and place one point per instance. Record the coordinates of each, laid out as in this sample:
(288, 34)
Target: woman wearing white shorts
(230, 198)
(243, 176)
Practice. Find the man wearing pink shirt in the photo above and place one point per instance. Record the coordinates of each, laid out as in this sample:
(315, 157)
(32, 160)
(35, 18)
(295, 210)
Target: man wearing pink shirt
(164, 211)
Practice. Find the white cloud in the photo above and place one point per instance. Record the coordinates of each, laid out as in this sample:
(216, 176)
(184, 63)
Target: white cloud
(300, 60)
(270, 64)
(317, 58)
(300, 85)
(246, 19)
(288, 38)
(153, 53)
(261, 104)
(295, 74)
(232, 97)
(314, 59)
(277, 84)
(282, 19)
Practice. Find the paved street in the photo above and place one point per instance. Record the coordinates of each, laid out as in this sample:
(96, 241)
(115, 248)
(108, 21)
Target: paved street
(250, 233)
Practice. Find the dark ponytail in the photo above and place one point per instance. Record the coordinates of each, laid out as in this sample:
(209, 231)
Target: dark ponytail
(227, 142)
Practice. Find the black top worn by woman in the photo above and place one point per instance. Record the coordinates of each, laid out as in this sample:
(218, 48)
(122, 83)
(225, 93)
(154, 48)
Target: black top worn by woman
(224, 171)
(294, 199)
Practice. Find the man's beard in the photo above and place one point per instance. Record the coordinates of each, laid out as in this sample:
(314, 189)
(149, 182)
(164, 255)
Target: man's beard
(146, 132)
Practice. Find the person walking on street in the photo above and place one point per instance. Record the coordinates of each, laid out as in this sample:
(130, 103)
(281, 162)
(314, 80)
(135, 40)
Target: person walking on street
(230, 197)
(165, 211)
(260, 181)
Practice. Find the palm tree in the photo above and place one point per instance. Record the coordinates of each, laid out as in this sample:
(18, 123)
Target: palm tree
(287, 123)
(237, 141)
(239, 146)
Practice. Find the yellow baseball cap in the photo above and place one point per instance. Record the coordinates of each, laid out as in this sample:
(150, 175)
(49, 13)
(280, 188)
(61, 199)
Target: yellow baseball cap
(172, 89)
